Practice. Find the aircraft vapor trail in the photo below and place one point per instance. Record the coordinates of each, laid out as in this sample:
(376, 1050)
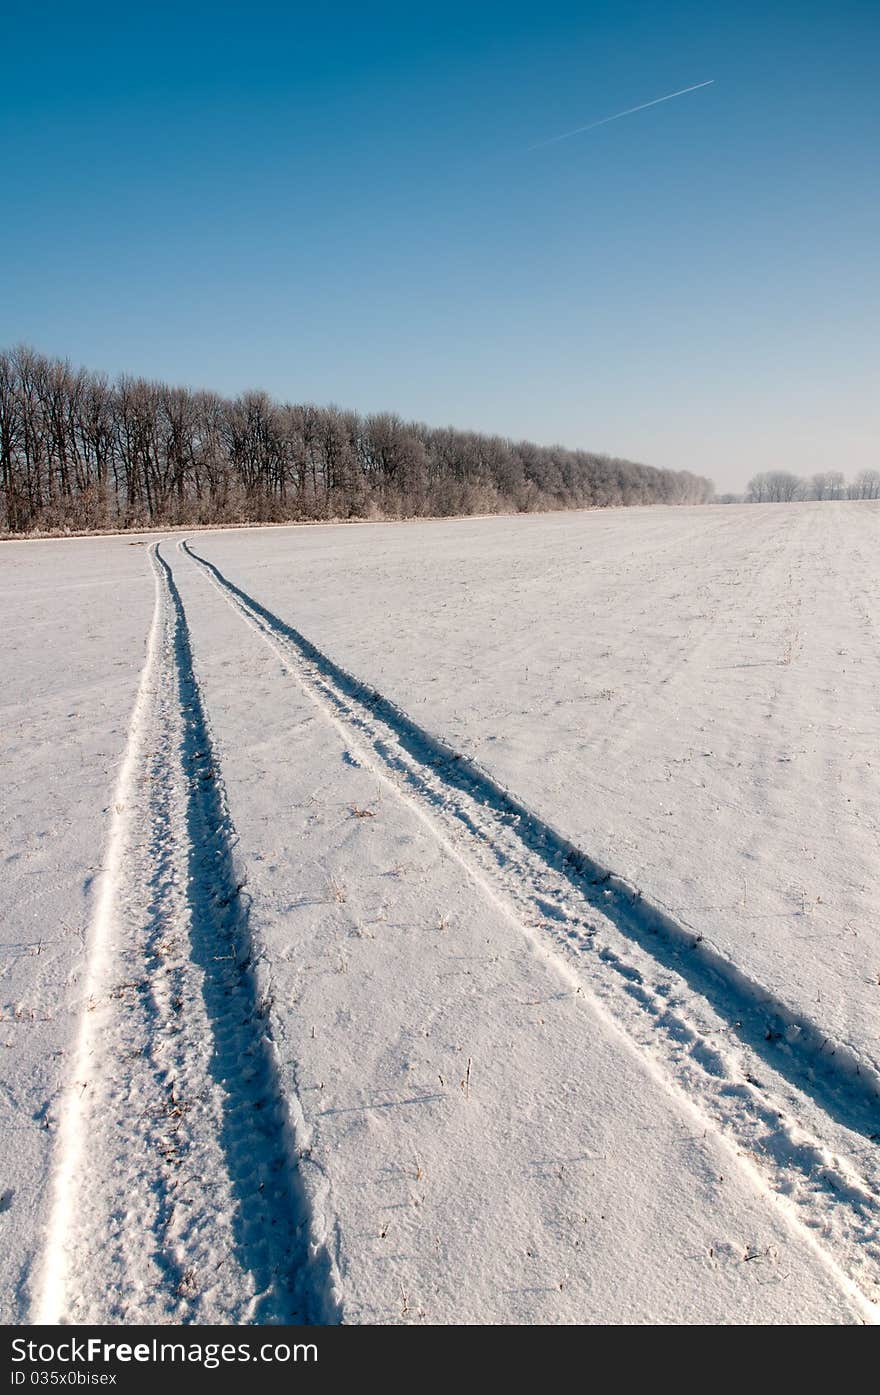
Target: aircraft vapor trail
(578, 130)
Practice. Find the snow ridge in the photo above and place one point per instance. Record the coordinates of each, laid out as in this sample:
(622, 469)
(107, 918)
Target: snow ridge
(811, 1121)
(50, 1288)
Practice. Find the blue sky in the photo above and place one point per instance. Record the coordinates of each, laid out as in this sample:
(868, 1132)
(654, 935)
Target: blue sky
(339, 203)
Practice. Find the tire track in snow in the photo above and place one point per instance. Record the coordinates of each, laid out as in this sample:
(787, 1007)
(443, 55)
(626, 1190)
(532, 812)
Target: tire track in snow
(805, 1110)
(51, 1289)
(179, 1160)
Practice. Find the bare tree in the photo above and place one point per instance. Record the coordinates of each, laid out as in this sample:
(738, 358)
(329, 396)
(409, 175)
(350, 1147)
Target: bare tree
(836, 485)
(79, 452)
(776, 487)
(819, 486)
(867, 485)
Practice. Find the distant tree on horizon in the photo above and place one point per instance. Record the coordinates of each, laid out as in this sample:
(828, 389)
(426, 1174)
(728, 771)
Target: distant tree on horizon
(866, 485)
(783, 487)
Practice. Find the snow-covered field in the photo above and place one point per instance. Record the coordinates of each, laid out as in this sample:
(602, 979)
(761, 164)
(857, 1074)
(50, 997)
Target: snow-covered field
(471, 921)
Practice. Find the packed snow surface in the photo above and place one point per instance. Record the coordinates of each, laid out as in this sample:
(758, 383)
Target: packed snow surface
(468, 921)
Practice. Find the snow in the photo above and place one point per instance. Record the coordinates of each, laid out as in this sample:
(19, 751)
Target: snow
(75, 622)
(486, 929)
(688, 694)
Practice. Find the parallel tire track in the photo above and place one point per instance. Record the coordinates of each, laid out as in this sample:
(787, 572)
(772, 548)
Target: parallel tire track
(805, 1111)
(181, 1189)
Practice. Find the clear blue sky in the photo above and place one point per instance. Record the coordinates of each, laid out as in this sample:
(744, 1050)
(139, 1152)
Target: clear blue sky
(339, 203)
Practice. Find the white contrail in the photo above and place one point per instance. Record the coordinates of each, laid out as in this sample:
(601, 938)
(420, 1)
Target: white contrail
(618, 114)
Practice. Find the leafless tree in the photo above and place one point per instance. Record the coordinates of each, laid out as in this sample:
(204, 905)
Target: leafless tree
(77, 451)
(867, 485)
(776, 487)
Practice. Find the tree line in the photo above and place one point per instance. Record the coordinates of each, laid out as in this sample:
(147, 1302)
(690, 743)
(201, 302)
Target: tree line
(782, 487)
(79, 452)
